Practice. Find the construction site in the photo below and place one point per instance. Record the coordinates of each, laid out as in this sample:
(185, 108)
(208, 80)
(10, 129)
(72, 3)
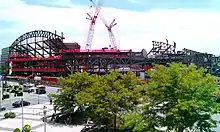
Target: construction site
(45, 54)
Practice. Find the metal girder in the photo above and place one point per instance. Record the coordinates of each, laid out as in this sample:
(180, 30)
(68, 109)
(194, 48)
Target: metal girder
(43, 48)
(189, 52)
(36, 33)
(34, 47)
(50, 47)
(93, 63)
(161, 48)
(18, 49)
(35, 51)
(58, 41)
(24, 49)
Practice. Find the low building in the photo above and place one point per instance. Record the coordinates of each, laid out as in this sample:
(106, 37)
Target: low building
(4, 57)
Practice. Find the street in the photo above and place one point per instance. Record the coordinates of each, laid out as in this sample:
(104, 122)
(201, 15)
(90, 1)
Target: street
(30, 97)
(33, 114)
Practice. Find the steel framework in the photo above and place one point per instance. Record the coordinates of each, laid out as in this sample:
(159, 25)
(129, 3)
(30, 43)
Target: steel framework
(35, 52)
(43, 53)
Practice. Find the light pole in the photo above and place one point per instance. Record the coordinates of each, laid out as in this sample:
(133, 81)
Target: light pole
(36, 79)
(1, 88)
(22, 113)
(45, 112)
(38, 97)
(10, 100)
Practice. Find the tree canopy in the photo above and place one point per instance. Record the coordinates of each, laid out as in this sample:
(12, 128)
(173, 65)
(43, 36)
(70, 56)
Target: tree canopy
(102, 96)
(178, 98)
(72, 85)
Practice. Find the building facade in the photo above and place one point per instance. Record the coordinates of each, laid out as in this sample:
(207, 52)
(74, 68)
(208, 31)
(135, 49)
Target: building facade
(4, 57)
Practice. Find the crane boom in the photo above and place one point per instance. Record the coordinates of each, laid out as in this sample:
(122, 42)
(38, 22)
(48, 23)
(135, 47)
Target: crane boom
(92, 26)
(109, 27)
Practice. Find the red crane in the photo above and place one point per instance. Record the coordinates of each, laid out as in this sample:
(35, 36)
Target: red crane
(92, 26)
(109, 27)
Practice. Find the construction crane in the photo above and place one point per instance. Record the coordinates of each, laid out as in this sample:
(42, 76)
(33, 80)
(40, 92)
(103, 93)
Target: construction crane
(109, 27)
(92, 26)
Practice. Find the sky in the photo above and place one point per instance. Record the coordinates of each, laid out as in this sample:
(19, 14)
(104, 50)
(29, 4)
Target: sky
(192, 24)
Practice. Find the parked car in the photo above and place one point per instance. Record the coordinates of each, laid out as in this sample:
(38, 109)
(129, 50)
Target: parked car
(19, 103)
(96, 128)
(28, 88)
(3, 109)
(40, 89)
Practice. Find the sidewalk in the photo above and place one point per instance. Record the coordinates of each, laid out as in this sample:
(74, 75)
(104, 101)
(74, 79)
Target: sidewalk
(33, 115)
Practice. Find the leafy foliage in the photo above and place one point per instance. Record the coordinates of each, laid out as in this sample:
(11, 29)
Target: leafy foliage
(17, 130)
(101, 96)
(177, 98)
(113, 94)
(72, 85)
(27, 128)
(180, 98)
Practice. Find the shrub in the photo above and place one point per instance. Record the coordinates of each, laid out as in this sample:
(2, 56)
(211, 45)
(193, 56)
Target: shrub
(20, 94)
(13, 91)
(17, 130)
(6, 115)
(6, 96)
(12, 114)
(27, 128)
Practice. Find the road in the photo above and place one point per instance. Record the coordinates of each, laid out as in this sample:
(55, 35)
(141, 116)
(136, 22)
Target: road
(30, 97)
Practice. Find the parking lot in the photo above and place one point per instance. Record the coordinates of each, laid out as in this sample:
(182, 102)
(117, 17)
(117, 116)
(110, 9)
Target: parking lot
(33, 115)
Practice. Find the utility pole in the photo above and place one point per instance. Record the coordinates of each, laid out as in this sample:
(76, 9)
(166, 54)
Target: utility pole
(45, 127)
(38, 97)
(10, 100)
(22, 114)
(1, 88)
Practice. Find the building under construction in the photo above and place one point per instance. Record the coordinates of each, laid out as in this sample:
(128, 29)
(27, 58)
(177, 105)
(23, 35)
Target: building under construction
(43, 53)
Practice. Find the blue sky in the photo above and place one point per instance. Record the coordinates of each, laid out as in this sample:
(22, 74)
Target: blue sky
(192, 23)
(137, 5)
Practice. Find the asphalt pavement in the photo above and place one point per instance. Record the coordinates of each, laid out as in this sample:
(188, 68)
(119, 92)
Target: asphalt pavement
(30, 97)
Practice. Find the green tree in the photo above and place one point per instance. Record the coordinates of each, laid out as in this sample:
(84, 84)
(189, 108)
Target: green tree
(71, 86)
(27, 128)
(114, 93)
(17, 130)
(179, 97)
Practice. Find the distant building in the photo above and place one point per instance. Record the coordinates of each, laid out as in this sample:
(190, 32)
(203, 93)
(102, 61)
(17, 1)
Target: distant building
(4, 57)
(0, 60)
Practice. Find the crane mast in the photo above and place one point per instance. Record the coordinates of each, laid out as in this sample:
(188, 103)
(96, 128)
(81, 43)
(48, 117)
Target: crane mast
(111, 35)
(109, 27)
(92, 26)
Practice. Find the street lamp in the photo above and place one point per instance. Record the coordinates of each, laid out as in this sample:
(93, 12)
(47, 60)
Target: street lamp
(45, 112)
(10, 99)
(38, 98)
(22, 112)
(36, 79)
(1, 88)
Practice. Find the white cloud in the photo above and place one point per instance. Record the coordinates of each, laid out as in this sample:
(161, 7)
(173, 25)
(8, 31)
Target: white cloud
(193, 29)
(134, 1)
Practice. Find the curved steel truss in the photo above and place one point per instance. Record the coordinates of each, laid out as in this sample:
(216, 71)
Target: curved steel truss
(37, 43)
